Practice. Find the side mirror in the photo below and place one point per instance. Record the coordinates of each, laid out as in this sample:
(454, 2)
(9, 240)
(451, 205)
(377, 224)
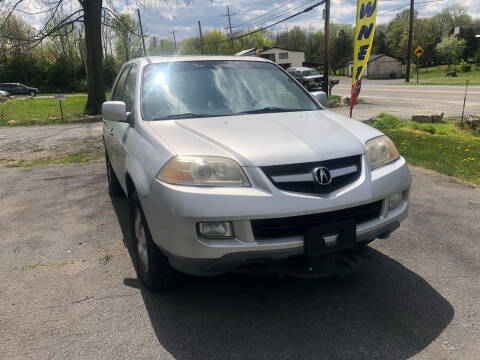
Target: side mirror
(321, 97)
(115, 111)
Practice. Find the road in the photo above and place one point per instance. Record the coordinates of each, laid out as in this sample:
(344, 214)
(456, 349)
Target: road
(407, 100)
(69, 291)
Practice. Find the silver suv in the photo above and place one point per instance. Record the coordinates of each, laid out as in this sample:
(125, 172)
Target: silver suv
(230, 164)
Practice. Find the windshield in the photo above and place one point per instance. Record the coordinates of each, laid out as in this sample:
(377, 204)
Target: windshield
(215, 88)
(310, 72)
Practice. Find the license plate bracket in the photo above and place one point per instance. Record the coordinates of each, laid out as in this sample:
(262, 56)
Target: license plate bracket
(319, 239)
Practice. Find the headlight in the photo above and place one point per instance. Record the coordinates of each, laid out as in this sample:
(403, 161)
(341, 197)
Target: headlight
(203, 171)
(381, 151)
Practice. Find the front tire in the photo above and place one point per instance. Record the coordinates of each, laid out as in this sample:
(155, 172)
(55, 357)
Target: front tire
(33, 94)
(152, 266)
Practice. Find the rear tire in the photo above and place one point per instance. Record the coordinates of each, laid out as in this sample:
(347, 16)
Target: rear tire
(152, 266)
(114, 187)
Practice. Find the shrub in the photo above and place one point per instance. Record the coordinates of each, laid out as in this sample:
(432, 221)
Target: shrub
(465, 67)
(423, 127)
(386, 121)
(428, 128)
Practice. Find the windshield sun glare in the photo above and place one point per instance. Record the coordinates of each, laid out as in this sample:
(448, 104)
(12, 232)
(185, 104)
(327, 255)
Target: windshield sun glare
(185, 89)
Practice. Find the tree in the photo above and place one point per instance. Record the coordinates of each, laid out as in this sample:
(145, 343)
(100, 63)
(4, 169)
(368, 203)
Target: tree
(90, 13)
(127, 42)
(380, 40)
(397, 35)
(452, 16)
(342, 50)
(471, 43)
(451, 49)
(294, 39)
(158, 46)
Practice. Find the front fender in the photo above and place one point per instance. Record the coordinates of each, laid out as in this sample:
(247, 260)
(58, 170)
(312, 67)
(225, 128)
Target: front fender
(144, 159)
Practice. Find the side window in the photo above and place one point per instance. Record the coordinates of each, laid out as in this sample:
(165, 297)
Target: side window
(117, 91)
(128, 95)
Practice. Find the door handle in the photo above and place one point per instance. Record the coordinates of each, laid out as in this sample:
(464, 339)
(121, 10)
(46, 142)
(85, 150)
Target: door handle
(111, 131)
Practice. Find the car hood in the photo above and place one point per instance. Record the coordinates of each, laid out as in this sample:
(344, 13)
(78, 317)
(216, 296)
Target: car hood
(264, 139)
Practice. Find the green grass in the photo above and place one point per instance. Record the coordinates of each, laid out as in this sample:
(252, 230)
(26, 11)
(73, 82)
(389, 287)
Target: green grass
(106, 256)
(36, 111)
(77, 157)
(436, 76)
(334, 97)
(40, 111)
(442, 147)
(31, 266)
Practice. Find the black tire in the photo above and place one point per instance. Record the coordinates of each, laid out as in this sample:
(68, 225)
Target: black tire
(114, 187)
(33, 94)
(151, 265)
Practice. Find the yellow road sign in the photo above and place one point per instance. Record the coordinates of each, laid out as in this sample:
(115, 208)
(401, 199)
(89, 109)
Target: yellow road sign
(419, 51)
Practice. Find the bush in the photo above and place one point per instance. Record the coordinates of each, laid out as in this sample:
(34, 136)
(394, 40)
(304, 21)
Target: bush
(386, 121)
(428, 128)
(424, 127)
(465, 67)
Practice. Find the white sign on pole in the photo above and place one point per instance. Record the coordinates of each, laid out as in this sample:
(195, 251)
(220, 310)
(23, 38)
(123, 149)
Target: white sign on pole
(59, 96)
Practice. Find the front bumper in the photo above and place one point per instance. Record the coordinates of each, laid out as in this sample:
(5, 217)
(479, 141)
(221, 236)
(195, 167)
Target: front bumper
(173, 211)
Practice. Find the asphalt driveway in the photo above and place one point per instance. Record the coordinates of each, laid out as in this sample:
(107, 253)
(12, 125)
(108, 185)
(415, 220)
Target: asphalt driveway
(68, 288)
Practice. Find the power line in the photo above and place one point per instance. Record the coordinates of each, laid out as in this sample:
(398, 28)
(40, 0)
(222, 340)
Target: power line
(404, 6)
(276, 16)
(276, 23)
(255, 19)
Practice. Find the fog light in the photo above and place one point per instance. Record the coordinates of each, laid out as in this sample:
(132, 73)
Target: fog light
(217, 229)
(395, 199)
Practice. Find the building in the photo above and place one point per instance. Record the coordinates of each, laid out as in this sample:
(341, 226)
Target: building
(380, 66)
(462, 30)
(283, 57)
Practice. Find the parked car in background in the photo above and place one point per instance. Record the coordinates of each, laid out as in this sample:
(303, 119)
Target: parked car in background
(18, 89)
(310, 78)
(224, 172)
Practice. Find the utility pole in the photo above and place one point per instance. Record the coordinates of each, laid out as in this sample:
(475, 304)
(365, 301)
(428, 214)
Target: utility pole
(174, 40)
(229, 24)
(325, 61)
(201, 37)
(410, 34)
(141, 33)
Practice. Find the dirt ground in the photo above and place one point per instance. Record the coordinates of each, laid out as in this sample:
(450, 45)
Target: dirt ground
(68, 288)
(29, 142)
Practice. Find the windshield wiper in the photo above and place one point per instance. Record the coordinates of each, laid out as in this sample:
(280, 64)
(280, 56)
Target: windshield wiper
(267, 110)
(182, 116)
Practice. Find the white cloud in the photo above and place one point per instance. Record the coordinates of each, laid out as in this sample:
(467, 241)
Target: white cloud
(161, 16)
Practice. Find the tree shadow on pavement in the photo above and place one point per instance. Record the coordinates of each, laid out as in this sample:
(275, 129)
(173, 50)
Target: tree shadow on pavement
(384, 311)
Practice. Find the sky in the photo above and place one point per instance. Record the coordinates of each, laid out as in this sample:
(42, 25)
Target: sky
(162, 16)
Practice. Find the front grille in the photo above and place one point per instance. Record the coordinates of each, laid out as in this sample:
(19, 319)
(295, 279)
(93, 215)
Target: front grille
(308, 184)
(296, 225)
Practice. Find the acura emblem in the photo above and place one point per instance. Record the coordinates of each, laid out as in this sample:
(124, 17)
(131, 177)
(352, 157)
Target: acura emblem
(322, 175)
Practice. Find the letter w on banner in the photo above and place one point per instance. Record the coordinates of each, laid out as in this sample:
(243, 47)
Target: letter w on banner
(364, 31)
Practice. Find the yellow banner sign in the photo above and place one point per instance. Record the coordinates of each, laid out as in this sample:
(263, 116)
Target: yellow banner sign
(364, 31)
